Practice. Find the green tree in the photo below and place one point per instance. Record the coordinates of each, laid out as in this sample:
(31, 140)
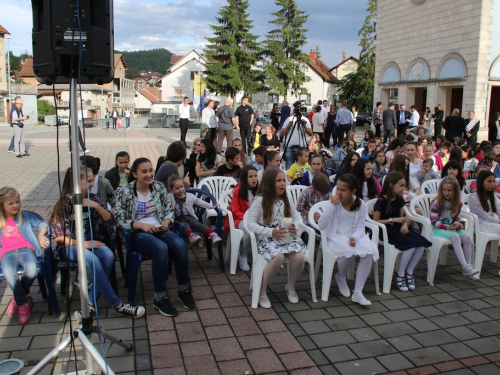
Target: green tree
(233, 52)
(318, 52)
(154, 60)
(358, 87)
(45, 108)
(283, 46)
(132, 72)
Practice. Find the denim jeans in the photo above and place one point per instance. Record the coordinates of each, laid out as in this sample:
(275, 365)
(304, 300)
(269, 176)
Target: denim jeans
(11, 146)
(103, 259)
(127, 122)
(10, 263)
(158, 246)
(289, 156)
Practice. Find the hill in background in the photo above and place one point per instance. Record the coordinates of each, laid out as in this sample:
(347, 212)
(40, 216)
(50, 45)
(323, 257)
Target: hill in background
(154, 60)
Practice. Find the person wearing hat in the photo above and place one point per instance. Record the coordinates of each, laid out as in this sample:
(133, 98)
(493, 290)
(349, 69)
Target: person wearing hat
(17, 122)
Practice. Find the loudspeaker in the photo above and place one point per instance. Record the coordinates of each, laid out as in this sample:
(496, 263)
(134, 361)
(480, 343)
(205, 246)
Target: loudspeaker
(56, 40)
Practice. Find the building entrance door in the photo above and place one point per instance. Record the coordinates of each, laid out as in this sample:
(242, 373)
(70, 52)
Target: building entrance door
(494, 102)
(457, 96)
(420, 101)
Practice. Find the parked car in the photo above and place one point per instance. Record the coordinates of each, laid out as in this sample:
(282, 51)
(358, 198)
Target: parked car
(62, 120)
(363, 119)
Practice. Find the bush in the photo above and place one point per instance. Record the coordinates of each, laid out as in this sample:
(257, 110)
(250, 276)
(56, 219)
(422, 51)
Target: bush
(45, 108)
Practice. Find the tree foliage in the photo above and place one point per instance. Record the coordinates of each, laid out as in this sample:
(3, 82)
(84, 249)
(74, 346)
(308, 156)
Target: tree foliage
(45, 108)
(17, 62)
(283, 46)
(132, 72)
(154, 60)
(318, 52)
(358, 87)
(232, 53)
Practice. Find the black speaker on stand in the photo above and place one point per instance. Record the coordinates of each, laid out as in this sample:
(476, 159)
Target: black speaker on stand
(73, 43)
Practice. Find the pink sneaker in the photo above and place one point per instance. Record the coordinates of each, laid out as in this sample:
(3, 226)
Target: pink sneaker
(214, 237)
(12, 309)
(25, 311)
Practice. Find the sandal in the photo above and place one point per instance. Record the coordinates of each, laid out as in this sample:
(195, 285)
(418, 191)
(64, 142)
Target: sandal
(410, 280)
(401, 283)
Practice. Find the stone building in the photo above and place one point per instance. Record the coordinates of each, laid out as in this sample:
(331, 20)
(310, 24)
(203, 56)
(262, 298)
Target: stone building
(432, 52)
(4, 110)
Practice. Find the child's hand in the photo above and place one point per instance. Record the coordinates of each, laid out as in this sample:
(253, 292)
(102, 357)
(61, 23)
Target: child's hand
(316, 217)
(214, 207)
(150, 228)
(404, 229)
(89, 203)
(186, 179)
(335, 199)
(400, 220)
(44, 242)
(352, 241)
(292, 230)
(165, 225)
(279, 233)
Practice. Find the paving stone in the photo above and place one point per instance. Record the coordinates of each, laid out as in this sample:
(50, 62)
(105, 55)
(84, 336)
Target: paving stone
(486, 329)
(426, 356)
(364, 334)
(226, 349)
(453, 307)
(449, 366)
(489, 369)
(423, 325)
(296, 360)
(283, 342)
(459, 350)
(403, 343)
(310, 315)
(474, 361)
(306, 342)
(428, 311)
(372, 348)
(190, 332)
(15, 343)
(340, 311)
(295, 328)
(463, 371)
(361, 310)
(465, 295)
(444, 298)
(159, 360)
(476, 316)
(201, 365)
(360, 367)
(328, 370)
(477, 304)
(375, 319)
(264, 361)
(244, 326)
(345, 323)
(394, 304)
(287, 318)
(394, 362)
(419, 301)
(194, 349)
(337, 354)
(484, 345)
(434, 338)
(402, 315)
(493, 313)
(255, 342)
(462, 333)
(394, 329)
(324, 340)
(448, 321)
(240, 366)
(315, 327)
(493, 300)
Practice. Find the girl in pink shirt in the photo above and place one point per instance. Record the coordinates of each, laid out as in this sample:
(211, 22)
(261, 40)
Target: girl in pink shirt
(19, 248)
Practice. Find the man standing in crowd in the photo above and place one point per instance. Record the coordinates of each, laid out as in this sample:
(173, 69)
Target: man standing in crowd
(403, 117)
(325, 110)
(415, 117)
(12, 108)
(377, 118)
(128, 114)
(244, 116)
(454, 126)
(17, 122)
(184, 110)
(471, 128)
(227, 122)
(295, 130)
(389, 120)
(286, 111)
(206, 115)
(317, 122)
(345, 121)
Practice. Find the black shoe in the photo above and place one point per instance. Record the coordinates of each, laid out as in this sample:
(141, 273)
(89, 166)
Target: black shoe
(187, 300)
(26, 154)
(19, 156)
(164, 307)
(131, 310)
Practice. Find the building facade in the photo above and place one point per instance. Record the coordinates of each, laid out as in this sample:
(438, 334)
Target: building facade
(446, 52)
(3, 76)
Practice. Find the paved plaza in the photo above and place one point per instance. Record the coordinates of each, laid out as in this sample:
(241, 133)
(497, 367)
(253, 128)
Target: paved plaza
(452, 327)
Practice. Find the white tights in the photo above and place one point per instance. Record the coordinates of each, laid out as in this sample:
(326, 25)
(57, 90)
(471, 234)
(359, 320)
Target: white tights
(296, 267)
(464, 254)
(364, 268)
(409, 260)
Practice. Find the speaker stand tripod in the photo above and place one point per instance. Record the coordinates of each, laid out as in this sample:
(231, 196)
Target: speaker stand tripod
(86, 328)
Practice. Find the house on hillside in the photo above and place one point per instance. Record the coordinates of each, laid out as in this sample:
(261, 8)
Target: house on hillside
(320, 86)
(4, 109)
(146, 101)
(121, 90)
(349, 65)
(26, 73)
(140, 83)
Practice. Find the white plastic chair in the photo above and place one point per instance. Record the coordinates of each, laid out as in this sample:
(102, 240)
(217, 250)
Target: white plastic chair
(329, 260)
(430, 186)
(467, 187)
(424, 202)
(390, 252)
(294, 192)
(259, 263)
(235, 234)
(332, 178)
(216, 186)
(482, 238)
(334, 190)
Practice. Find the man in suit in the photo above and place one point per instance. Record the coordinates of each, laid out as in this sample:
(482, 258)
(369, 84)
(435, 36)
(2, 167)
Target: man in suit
(390, 122)
(285, 112)
(402, 119)
(471, 128)
(454, 126)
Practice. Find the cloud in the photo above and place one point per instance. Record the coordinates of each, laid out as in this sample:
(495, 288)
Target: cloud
(182, 25)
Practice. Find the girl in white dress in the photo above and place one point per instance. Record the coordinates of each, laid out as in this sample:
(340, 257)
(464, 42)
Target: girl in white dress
(265, 218)
(344, 222)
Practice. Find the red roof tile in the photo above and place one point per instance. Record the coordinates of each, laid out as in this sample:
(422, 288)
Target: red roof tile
(3, 30)
(175, 58)
(27, 68)
(322, 69)
(152, 93)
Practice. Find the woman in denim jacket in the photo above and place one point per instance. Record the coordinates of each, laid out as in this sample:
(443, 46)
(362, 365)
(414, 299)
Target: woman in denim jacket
(19, 247)
(143, 208)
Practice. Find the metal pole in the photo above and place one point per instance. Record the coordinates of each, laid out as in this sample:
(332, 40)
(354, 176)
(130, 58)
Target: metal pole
(78, 212)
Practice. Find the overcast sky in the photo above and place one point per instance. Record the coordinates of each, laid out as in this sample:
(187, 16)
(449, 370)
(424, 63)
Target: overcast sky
(182, 25)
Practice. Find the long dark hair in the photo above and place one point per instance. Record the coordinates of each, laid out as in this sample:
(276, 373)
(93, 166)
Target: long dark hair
(120, 155)
(456, 155)
(210, 153)
(399, 165)
(453, 164)
(135, 167)
(243, 193)
(483, 195)
(390, 179)
(396, 142)
(358, 171)
(352, 183)
(268, 156)
(346, 165)
(267, 190)
(488, 155)
(66, 191)
(175, 152)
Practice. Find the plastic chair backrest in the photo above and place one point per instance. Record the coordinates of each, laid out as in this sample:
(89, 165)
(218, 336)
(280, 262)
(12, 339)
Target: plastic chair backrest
(226, 198)
(334, 190)
(430, 186)
(294, 192)
(423, 201)
(467, 187)
(332, 178)
(217, 185)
